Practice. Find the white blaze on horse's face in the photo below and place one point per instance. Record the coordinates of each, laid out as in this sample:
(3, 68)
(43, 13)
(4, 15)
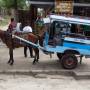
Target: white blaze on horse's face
(27, 29)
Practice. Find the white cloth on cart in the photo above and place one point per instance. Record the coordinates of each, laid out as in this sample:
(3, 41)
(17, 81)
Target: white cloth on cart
(27, 29)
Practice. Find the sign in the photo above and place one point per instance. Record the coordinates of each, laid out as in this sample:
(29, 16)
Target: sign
(64, 7)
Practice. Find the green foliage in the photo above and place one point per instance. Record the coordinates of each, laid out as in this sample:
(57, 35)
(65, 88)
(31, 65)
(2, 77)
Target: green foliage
(1, 3)
(5, 21)
(12, 3)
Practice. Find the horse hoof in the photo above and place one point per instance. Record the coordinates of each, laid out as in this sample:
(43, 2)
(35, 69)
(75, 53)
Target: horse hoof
(8, 62)
(25, 56)
(34, 62)
(11, 63)
(32, 56)
(37, 60)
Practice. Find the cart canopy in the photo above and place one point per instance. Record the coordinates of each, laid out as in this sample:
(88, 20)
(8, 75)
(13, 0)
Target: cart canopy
(73, 20)
(67, 19)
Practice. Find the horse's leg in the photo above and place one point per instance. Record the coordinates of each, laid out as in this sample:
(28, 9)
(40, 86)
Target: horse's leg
(11, 60)
(37, 54)
(36, 50)
(25, 51)
(35, 57)
(10, 56)
(31, 51)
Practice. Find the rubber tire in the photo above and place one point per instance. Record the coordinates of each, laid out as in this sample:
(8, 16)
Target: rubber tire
(66, 64)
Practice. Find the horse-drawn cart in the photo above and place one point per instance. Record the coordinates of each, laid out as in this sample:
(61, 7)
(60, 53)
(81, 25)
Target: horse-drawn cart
(59, 39)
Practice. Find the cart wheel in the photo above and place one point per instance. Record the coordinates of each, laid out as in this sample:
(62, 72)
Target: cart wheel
(69, 61)
(59, 55)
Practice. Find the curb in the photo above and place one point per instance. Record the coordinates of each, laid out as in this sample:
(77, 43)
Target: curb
(29, 72)
(34, 73)
(81, 75)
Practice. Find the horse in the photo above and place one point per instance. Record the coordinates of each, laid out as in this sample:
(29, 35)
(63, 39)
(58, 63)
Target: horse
(13, 43)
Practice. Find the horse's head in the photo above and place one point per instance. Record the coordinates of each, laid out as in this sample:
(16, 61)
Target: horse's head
(41, 34)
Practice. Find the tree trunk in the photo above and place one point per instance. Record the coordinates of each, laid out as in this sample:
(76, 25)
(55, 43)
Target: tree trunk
(15, 11)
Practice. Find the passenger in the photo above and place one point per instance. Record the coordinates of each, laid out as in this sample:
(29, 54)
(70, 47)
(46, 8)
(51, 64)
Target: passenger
(66, 28)
(19, 27)
(12, 26)
(27, 29)
(79, 29)
(57, 37)
(73, 28)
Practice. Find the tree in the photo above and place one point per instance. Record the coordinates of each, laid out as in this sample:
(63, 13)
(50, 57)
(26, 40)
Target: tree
(13, 5)
(20, 4)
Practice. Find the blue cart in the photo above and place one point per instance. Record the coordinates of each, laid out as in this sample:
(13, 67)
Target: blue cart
(65, 36)
(61, 39)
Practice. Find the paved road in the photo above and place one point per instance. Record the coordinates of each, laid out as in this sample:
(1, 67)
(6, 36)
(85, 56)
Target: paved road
(51, 82)
(46, 64)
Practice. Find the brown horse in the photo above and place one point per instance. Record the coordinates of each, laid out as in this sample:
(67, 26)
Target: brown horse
(13, 43)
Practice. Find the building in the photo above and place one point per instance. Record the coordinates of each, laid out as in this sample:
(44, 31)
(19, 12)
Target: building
(80, 7)
(76, 7)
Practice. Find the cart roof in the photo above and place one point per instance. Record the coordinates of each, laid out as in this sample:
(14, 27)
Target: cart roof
(74, 20)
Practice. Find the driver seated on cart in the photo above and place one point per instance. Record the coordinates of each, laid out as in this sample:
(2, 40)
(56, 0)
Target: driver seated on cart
(57, 40)
(12, 26)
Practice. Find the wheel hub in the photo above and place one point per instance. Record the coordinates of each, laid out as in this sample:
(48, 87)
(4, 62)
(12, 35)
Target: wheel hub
(69, 61)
